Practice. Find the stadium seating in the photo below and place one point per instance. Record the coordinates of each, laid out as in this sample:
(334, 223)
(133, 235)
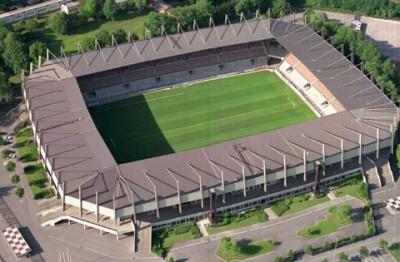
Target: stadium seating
(138, 78)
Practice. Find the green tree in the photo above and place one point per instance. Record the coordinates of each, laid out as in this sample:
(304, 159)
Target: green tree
(398, 155)
(140, 5)
(87, 44)
(290, 256)
(383, 245)
(155, 21)
(36, 49)
(19, 191)
(279, 6)
(103, 38)
(4, 30)
(110, 9)
(15, 179)
(89, 8)
(5, 4)
(5, 90)
(364, 252)
(14, 53)
(343, 257)
(245, 6)
(59, 22)
(120, 36)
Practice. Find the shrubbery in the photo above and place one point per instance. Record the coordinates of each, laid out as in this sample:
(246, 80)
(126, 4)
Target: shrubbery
(19, 192)
(10, 166)
(15, 179)
(5, 153)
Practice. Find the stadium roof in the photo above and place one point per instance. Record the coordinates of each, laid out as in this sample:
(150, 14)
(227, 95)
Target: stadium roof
(80, 158)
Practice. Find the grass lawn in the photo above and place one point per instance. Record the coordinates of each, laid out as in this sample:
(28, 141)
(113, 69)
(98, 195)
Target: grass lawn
(394, 249)
(246, 250)
(354, 187)
(37, 181)
(250, 218)
(333, 222)
(198, 115)
(26, 147)
(127, 22)
(164, 239)
(295, 204)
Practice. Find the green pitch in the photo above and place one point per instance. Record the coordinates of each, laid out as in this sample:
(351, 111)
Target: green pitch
(198, 115)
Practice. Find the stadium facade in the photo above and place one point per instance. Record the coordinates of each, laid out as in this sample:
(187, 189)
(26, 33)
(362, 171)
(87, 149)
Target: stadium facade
(356, 119)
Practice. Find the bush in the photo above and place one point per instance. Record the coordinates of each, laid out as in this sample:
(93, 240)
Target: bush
(15, 179)
(87, 44)
(59, 22)
(40, 192)
(290, 256)
(226, 218)
(363, 190)
(2, 142)
(19, 192)
(30, 169)
(182, 229)
(120, 36)
(5, 153)
(280, 207)
(103, 38)
(10, 166)
(309, 249)
(279, 259)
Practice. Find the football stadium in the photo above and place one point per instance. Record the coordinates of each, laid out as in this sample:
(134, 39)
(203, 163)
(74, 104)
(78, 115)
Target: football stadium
(179, 128)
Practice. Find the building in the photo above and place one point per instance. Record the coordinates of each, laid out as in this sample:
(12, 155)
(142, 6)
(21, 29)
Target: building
(31, 11)
(356, 119)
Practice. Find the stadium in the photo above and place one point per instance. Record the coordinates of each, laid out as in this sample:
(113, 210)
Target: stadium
(178, 128)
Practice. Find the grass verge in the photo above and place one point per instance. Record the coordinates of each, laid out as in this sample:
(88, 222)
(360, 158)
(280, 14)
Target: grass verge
(37, 181)
(295, 204)
(25, 145)
(336, 218)
(165, 238)
(231, 251)
(394, 249)
(354, 187)
(230, 222)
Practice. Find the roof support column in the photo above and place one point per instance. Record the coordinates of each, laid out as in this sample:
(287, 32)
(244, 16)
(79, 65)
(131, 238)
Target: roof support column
(391, 139)
(155, 195)
(244, 182)
(342, 153)
(377, 142)
(177, 189)
(80, 201)
(97, 206)
(284, 171)
(304, 165)
(323, 159)
(359, 148)
(265, 176)
(115, 210)
(222, 179)
(201, 193)
(63, 196)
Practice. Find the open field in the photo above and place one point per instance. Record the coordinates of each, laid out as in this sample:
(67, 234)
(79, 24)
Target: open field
(198, 115)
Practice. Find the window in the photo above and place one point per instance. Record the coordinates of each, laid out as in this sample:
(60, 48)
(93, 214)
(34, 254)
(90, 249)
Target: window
(221, 67)
(91, 94)
(252, 61)
(158, 79)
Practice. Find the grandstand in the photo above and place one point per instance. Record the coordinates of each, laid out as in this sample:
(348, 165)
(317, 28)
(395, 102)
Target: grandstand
(115, 194)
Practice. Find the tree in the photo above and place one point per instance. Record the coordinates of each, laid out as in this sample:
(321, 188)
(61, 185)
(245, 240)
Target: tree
(383, 244)
(5, 4)
(14, 55)
(110, 9)
(89, 8)
(309, 249)
(35, 50)
(398, 156)
(140, 5)
(59, 22)
(343, 257)
(103, 38)
(364, 252)
(120, 36)
(245, 6)
(279, 6)
(4, 30)
(15, 179)
(5, 90)
(290, 256)
(87, 44)
(19, 192)
(155, 21)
